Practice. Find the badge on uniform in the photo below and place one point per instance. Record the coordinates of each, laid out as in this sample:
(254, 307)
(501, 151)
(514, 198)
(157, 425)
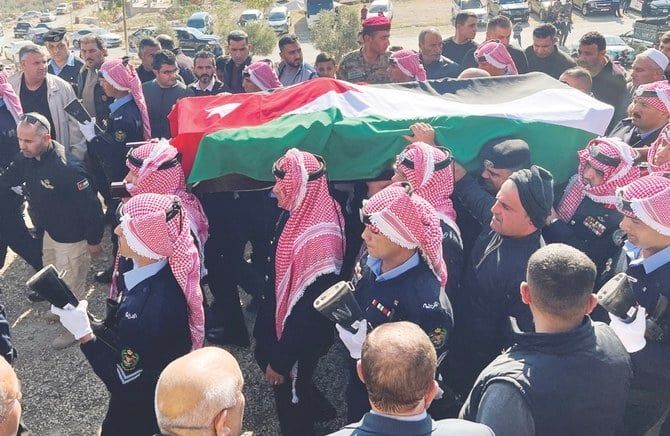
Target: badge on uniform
(129, 359)
(355, 74)
(82, 184)
(438, 337)
(120, 136)
(619, 237)
(46, 183)
(593, 224)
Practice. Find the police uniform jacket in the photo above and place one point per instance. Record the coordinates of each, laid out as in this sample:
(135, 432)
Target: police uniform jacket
(151, 331)
(59, 94)
(628, 133)
(124, 125)
(69, 73)
(60, 196)
(100, 100)
(593, 229)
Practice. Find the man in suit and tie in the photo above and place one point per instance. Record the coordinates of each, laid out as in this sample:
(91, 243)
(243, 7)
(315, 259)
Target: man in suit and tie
(650, 112)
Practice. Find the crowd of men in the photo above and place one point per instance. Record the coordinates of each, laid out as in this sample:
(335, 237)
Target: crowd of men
(477, 292)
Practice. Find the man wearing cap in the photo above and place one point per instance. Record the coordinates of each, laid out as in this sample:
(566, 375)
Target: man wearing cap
(561, 368)
(648, 66)
(163, 92)
(489, 292)
(62, 201)
(291, 335)
(499, 28)
(232, 66)
(609, 84)
(436, 65)
(493, 57)
(47, 94)
(63, 63)
(499, 157)
(645, 205)
(405, 66)
(544, 55)
(369, 63)
(587, 218)
(403, 277)
(651, 110)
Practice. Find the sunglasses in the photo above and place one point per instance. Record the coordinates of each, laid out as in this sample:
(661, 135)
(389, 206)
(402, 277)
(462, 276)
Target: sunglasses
(31, 119)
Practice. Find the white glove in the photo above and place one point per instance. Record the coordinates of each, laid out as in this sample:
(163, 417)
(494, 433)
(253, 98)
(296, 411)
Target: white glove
(74, 319)
(88, 129)
(354, 342)
(631, 335)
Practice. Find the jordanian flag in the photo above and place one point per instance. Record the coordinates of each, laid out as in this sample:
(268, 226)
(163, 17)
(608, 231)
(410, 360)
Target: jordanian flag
(358, 128)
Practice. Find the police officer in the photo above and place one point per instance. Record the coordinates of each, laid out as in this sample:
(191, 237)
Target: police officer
(159, 317)
(13, 231)
(370, 62)
(62, 201)
(403, 277)
(587, 218)
(63, 63)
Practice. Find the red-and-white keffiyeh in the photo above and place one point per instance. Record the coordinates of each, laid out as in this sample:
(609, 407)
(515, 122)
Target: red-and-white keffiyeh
(647, 199)
(152, 179)
(410, 222)
(417, 163)
(495, 53)
(655, 94)
(655, 157)
(409, 63)
(149, 232)
(10, 98)
(123, 77)
(600, 154)
(312, 241)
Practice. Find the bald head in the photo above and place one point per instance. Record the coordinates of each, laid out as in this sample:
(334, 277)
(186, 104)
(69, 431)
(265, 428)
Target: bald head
(10, 400)
(473, 73)
(201, 393)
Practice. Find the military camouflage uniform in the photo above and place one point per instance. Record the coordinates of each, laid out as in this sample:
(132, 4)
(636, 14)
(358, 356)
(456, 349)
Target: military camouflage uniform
(353, 68)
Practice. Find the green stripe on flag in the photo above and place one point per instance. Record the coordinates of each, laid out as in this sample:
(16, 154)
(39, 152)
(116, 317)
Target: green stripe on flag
(361, 148)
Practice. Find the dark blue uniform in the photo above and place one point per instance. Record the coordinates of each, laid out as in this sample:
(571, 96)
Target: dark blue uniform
(13, 231)
(61, 198)
(151, 331)
(69, 73)
(412, 296)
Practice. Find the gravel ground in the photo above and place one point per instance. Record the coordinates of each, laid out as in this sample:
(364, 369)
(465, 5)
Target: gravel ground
(62, 395)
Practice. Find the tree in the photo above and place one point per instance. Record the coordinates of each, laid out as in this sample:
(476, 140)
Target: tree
(261, 37)
(337, 31)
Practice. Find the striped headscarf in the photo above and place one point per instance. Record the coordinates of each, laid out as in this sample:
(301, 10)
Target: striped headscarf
(647, 199)
(10, 98)
(122, 76)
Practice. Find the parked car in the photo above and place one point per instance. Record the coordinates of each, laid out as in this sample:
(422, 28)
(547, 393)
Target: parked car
(471, 6)
(279, 19)
(249, 16)
(111, 39)
(515, 10)
(192, 40)
(385, 6)
(541, 7)
(201, 21)
(36, 35)
(587, 7)
(29, 15)
(47, 17)
(657, 8)
(615, 46)
(12, 50)
(63, 8)
(21, 29)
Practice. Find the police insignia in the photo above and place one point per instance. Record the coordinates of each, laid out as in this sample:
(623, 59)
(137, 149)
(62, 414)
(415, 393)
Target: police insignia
(82, 184)
(618, 237)
(129, 359)
(120, 136)
(46, 183)
(438, 337)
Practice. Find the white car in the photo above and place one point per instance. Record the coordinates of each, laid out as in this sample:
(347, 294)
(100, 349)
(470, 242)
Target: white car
(385, 6)
(250, 16)
(63, 8)
(111, 39)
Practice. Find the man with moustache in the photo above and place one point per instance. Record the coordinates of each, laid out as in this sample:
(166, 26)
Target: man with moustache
(292, 69)
(650, 113)
(204, 69)
(93, 52)
(63, 63)
(436, 65)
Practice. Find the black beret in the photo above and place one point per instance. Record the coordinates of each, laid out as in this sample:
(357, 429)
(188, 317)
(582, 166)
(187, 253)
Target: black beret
(55, 35)
(509, 154)
(536, 192)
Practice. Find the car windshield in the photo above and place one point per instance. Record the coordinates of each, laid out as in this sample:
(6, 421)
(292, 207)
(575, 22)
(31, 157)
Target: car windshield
(377, 8)
(249, 17)
(471, 4)
(509, 2)
(614, 40)
(277, 16)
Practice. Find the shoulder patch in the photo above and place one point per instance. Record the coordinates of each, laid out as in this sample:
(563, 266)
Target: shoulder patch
(129, 359)
(438, 337)
(82, 184)
(120, 136)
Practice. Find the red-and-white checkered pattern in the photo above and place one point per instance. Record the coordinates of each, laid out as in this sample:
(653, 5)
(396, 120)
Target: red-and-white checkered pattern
(409, 63)
(10, 98)
(124, 78)
(497, 55)
(649, 198)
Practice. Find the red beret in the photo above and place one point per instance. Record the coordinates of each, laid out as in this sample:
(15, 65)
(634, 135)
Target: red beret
(376, 23)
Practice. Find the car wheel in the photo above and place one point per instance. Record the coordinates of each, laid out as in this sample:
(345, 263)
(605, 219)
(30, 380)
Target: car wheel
(585, 10)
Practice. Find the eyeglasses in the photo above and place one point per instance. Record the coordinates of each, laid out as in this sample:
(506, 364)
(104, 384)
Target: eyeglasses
(595, 153)
(31, 119)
